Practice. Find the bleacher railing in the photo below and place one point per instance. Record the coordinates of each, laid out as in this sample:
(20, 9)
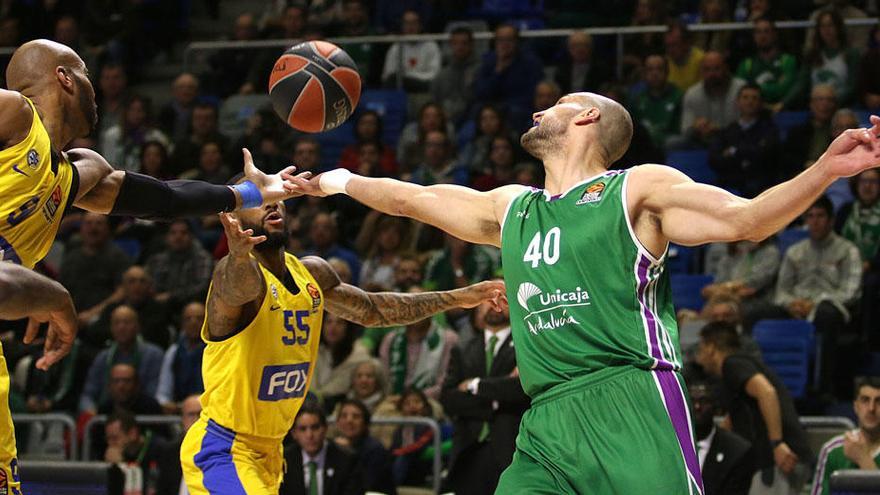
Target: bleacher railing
(827, 422)
(66, 421)
(101, 419)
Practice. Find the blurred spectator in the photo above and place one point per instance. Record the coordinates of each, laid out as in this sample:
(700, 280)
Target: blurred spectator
(761, 411)
(382, 240)
(859, 220)
(411, 145)
(806, 142)
(112, 94)
(125, 394)
(416, 62)
(136, 291)
(411, 466)
(229, 68)
(211, 167)
(408, 273)
(66, 32)
(842, 8)
(508, 75)
(775, 71)
(713, 12)
(91, 271)
(155, 160)
(316, 466)
(726, 460)
(291, 23)
(128, 32)
(578, 71)
(855, 449)
(367, 56)
(459, 264)
(839, 192)
(417, 355)
(547, 93)
(829, 59)
(658, 106)
(127, 347)
(181, 374)
(483, 394)
(501, 169)
(453, 86)
(353, 423)
(58, 388)
(638, 46)
(746, 271)
(439, 165)
(170, 477)
(683, 58)
(324, 234)
(128, 444)
(368, 130)
(121, 144)
(338, 355)
(368, 383)
(203, 128)
(489, 125)
(326, 15)
(307, 155)
(819, 281)
(182, 271)
(176, 115)
(710, 105)
(869, 74)
(745, 154)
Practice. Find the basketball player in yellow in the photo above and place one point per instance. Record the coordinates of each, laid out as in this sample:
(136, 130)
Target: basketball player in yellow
(49, 103)
(262, 328)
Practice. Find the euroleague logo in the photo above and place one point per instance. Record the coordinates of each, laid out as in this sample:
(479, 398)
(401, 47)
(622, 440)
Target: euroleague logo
(592, 194)
(316, 296)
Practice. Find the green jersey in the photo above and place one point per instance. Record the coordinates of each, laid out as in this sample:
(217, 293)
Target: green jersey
(584, 293)
(776, 77)
(660, 114)
(832, 458)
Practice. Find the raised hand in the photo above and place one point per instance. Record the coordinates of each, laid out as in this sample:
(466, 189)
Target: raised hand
(304, 185)
(273, 187)
(472, 295)
(241, 242)
(854, 150)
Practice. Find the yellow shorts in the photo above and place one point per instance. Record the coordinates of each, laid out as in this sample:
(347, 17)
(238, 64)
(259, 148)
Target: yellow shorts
(217, 461)
(9, 482)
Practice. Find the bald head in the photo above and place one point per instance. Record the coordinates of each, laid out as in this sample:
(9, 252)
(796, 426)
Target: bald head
(34, 63)
(615, 125)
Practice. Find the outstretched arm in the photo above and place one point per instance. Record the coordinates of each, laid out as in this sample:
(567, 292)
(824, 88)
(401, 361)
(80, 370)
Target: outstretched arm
(465, 213)
(385, 309)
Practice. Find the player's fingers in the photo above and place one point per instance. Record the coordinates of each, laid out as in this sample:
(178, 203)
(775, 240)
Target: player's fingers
(256, 240)
(875, 124)
(249, 167)
(33, 328)
(289, 170)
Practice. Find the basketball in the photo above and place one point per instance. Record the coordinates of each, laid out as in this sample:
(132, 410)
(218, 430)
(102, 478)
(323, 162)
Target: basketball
(314, 86)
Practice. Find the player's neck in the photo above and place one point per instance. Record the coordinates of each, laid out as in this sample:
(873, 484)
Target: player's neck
(563, 172)
(273, 259)
(52, 114)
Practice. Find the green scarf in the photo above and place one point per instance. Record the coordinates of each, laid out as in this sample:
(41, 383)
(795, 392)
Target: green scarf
(425, 372)
(862, 227)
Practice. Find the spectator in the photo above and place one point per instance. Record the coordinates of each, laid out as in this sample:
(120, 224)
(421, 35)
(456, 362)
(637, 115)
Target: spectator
(453, 86)
(490, 124)
(368, 384)
(829, 59)
(547, 93)
(91, 271)
(761, 411)
(229, 68)
(137, 292)
(745, 154)
(176, 115)
(459, 264)
(439, 165)
(726, 459)
(112, 95)
(127, 347)
(411, 146)
(411, 466)
(121, 144)
(170, 477)
(353, 423)
(182, 271)
(869, 74)
(316, 466)
(658, 107)
(55, 389)
(578, 71)
(155, 161)
(420, 59)
(203, 129)
(483, 394)
(417, 355)
(745, 270)
(859, 220)
(181, 374)
(684, 59)
(408, 274)
(326, 15)
(806, 142)
(66, 32)
(819, 281)
(856, 449)
(775, 71)
(211, 168)
(858, 34)
(638, 46)
(323, 234)
(291, 24)
(125, 394)
(713, 12)
(338, 355)
(508, 75)
(127, 444)
(307, 155)
(383, 239)
(368, 130)
(710, 104)
(501, 169)
(356, 22)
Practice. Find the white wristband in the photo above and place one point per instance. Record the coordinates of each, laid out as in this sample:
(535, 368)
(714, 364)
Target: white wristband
(334, 181)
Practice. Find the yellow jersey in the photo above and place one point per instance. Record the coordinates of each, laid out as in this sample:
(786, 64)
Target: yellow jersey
(36, 186)
(256, 380)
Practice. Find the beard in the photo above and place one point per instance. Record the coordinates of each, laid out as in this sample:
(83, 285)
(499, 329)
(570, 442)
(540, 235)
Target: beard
(544, 139)
(274, 240)
(87, 110)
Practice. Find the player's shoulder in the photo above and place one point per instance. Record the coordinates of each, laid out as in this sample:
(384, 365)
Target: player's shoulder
(321, 271)
(16, 117)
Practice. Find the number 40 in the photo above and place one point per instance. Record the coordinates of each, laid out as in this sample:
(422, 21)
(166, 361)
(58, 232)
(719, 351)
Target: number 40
(548, 252)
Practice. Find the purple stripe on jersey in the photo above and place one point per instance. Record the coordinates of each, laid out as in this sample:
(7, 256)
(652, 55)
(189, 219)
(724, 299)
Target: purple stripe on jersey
(676, 407)
(642, 275)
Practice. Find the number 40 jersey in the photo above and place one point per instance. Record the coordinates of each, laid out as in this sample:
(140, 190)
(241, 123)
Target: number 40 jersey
(256, 379)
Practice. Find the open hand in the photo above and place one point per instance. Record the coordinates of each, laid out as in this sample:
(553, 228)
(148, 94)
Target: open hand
(241, 242)
(304, 185)
(853, 151)
(273, 187)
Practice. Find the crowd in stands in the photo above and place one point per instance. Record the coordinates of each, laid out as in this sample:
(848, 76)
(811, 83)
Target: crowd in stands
(754, 107)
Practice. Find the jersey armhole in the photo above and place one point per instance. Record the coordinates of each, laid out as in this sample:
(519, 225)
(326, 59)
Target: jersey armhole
(631, 228)
(507, 212)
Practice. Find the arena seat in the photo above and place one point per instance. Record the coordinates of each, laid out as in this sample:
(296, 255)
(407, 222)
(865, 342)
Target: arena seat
(787, 119)
(694, 163)
(820, 429)
(788, 330)
(686, 290)
(390, 104)
(854, 481)
(788, 237)
(788, 358)
(680, 259)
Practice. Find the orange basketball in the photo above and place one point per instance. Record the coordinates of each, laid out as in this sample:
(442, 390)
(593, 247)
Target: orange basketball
(314, 86)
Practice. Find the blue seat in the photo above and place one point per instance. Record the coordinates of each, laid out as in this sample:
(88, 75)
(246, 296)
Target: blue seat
(789, 359)
(694, 163)
(790, 237)
(390, 104)
(788, 119)
(131, 247)
(680, 259)
(791, 329)
(686, 290)
(333, 142)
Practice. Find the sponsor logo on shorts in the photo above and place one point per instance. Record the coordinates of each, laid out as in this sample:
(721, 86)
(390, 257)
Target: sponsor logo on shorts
(549, 310)
(285, 381)
(592, 194)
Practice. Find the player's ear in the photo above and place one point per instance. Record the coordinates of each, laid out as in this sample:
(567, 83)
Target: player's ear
(589, 116)
(65, 77)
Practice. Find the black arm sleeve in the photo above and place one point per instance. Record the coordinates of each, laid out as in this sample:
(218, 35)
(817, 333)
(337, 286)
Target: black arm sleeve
(143, 196)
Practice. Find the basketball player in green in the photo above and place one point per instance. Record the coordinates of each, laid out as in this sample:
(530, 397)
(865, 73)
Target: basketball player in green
(590, 304)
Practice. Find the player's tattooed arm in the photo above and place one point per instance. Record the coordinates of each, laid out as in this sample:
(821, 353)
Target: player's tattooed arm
(383, 309)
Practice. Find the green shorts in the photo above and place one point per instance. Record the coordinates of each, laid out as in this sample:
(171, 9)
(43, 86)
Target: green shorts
(622, 430)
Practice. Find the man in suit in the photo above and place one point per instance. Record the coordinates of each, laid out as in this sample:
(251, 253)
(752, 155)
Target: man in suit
(483, 394)
(725, 457)
(316, 466)
(170, 479)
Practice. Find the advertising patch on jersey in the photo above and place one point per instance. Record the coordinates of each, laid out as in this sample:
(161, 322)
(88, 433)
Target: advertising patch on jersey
(592, 194)
(316, 296)
(549, 310)
(274, 291)
(52, 204)
(285, 381)
(33, 159)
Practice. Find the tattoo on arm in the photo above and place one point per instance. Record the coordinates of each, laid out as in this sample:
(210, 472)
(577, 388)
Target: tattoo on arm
(384, 309)
(237, 281)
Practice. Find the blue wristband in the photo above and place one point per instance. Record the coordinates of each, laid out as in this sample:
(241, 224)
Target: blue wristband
(250, 194)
